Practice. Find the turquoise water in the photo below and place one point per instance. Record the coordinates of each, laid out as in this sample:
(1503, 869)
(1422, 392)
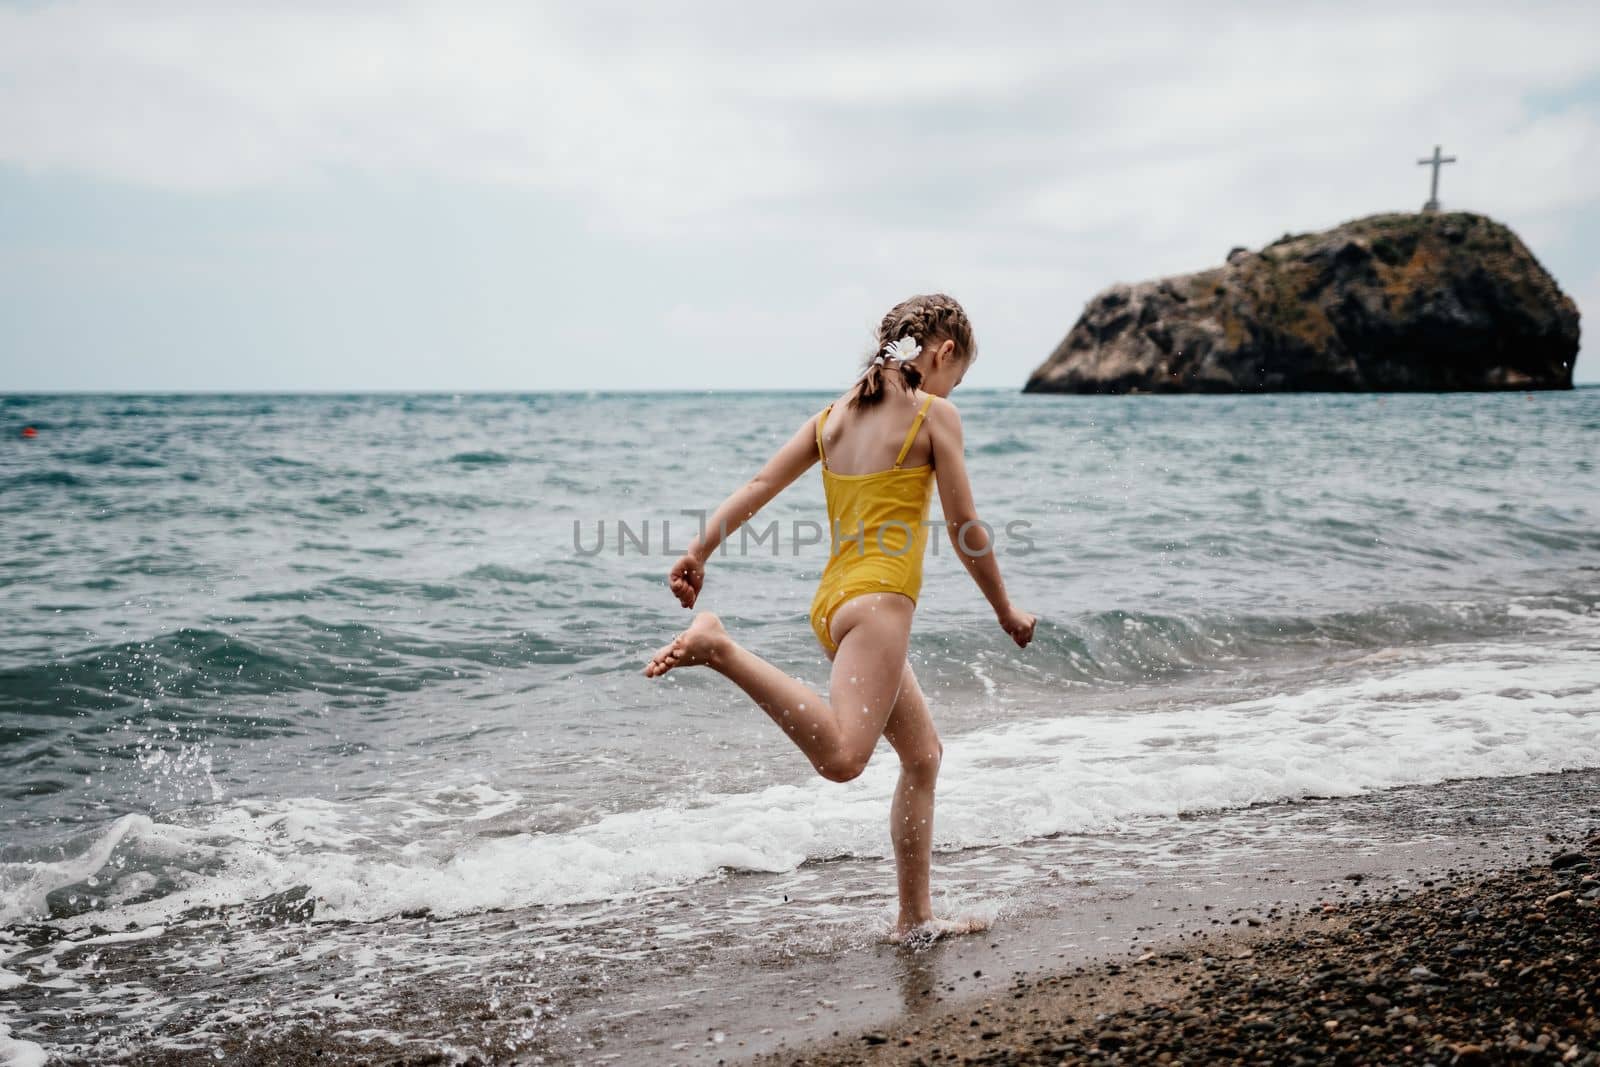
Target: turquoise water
(365, 645)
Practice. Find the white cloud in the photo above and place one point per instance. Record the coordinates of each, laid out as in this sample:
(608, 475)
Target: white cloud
(1022, 155)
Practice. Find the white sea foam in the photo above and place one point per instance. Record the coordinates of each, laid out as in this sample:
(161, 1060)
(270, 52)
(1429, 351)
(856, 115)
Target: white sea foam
(1414, 717)
(23, 886)
(15, 1052)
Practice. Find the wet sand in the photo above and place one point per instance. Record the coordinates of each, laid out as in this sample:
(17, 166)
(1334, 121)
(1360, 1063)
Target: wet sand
(1490, 968)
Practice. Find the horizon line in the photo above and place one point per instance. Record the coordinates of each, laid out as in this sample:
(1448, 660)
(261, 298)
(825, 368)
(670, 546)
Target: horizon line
(19, 393)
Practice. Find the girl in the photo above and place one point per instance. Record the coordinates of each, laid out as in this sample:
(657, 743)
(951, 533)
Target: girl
(882, 445)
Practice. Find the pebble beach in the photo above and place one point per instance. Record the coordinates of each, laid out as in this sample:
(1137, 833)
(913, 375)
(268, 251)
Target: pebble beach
(1496, 967)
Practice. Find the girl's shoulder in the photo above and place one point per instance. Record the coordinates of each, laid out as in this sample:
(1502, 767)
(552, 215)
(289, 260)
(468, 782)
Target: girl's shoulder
(942, 408)
(837, 406)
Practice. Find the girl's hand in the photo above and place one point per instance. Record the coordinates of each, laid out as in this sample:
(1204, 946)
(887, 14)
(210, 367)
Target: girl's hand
(1019, 624)
(688, 575)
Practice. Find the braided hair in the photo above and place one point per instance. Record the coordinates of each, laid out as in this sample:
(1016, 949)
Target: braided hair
(925, 319)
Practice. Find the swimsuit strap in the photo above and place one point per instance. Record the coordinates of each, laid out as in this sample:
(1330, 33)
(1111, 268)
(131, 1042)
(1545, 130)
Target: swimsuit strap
(911, 435)
(822, 418)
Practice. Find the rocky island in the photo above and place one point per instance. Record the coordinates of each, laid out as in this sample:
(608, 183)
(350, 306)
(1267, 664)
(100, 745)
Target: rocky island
(1385, 303)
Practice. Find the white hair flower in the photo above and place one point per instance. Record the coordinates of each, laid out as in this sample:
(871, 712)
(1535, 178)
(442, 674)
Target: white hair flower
(904, 350)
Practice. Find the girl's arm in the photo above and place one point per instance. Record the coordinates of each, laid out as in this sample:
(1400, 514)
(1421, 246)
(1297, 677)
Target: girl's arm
(968, 534)
(786, 464)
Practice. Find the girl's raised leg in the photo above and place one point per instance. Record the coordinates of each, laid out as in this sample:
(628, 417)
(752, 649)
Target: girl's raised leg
(836, 734)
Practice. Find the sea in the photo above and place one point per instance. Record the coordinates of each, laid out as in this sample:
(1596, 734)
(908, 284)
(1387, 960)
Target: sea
(324, 714)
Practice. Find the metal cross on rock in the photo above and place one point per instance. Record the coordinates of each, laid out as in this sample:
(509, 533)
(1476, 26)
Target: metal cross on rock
(1433, 192)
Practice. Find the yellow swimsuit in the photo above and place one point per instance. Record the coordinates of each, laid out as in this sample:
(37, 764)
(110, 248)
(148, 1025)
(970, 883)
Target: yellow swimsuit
(879, 530)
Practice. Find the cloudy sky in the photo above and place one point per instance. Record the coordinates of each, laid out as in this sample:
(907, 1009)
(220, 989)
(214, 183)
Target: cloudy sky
(342, 195)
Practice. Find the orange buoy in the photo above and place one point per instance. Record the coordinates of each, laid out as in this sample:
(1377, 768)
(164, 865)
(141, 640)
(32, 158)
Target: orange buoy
(29, 431)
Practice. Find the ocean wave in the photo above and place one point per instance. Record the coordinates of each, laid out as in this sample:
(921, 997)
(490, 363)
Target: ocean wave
(1119, 646)
(1444, 712)
(189, 669)
(29, 478)
(107, 456)
(189, 663)
(347, 589)
(481, 459)
(1011, 445)
(499, 572)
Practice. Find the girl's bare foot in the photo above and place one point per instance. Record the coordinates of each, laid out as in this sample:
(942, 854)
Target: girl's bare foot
(696, 645)
(930, 931)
